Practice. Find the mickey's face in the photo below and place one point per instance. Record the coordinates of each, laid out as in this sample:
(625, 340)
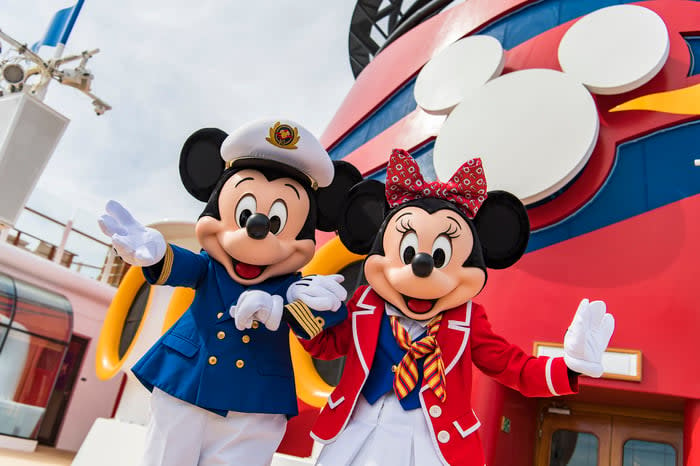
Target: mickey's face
(421, 272)
(256, 237)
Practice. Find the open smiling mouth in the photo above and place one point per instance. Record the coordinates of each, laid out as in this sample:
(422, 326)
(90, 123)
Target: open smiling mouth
(247, 271)
(419, 306)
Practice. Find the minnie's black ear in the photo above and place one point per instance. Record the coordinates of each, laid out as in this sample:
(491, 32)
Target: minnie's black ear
(201, 164)
(362, 216)
(331, 198)
(504, 229)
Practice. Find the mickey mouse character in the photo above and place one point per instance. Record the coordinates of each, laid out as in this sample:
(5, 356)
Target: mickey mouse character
(223, 385)
(405, 394)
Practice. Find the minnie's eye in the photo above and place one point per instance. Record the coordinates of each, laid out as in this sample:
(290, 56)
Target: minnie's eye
(277, 216)
(408, 246)
(245, 208)
(442, 251)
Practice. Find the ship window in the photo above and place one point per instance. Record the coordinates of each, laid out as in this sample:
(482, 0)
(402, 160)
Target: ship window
(570, 448)
(35, 328)
(7, 306)
(133, 318)
(693, 43)
(643, 453)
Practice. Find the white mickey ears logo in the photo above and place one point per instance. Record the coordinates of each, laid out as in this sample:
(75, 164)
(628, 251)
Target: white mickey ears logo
(458, 71)
(535, 129)
(616, 49)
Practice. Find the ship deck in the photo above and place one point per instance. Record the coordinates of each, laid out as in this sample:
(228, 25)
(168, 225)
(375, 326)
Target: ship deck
(42, 456)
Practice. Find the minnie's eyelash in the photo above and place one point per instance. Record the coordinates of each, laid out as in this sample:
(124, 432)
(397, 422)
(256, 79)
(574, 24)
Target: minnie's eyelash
(450, 232)
(404, 225)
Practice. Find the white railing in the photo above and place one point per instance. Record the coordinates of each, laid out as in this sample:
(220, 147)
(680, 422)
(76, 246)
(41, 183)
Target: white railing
(70, 247)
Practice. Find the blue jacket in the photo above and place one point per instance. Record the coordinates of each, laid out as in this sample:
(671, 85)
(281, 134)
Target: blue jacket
(204, 360)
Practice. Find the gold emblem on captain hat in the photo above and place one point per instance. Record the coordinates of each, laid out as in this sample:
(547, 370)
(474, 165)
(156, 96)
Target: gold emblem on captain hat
(284, 136)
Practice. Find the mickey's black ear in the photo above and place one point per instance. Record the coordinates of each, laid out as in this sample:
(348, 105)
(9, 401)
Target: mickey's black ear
(504, 229)
(331, 198)
(201, 164)
(362, 216)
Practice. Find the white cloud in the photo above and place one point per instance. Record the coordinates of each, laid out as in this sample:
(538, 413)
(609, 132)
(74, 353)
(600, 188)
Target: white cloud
(171, 67)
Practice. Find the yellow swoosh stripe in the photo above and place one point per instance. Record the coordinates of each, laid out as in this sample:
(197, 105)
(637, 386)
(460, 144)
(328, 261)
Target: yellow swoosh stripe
(684, 101)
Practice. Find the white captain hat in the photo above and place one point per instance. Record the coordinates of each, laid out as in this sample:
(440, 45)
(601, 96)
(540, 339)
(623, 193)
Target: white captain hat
(281, 141)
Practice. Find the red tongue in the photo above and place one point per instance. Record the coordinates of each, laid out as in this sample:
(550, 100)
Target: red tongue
(247, 271)
(419, 305)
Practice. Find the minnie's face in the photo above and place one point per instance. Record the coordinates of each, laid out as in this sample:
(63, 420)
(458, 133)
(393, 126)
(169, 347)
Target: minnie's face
(260, 220)
(421, 271)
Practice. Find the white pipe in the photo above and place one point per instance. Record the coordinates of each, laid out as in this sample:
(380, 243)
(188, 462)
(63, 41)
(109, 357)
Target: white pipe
(107, 269)
(62, 247)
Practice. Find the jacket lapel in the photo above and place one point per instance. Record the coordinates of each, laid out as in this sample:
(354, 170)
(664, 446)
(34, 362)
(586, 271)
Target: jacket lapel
(453, 335)
(365, 327)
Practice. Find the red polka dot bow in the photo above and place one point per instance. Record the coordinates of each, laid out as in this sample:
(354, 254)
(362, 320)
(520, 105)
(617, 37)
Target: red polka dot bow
(404, 182)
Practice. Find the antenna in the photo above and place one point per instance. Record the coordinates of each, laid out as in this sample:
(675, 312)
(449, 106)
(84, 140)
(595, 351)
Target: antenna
(22, 70)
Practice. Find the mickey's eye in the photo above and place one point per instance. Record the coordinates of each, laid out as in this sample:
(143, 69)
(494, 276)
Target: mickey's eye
(278, 216)
(442, 251)
(245, 208)
(408, 246)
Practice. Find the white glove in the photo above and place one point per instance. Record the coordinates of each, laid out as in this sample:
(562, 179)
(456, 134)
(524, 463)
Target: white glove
(135, 243)
(587, 337)
(257, 305)
(319, 292)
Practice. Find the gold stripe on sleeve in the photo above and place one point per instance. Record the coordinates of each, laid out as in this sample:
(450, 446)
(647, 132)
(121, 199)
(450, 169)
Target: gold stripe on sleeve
(167, 266)
(305, 317)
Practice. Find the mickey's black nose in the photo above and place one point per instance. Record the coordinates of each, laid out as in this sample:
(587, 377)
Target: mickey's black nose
(257, 226)
(422, 265)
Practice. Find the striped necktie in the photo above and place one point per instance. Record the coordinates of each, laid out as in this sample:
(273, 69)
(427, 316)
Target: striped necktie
(406, 376)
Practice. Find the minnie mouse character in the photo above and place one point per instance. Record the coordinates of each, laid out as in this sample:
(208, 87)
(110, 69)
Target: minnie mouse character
(223, 385)
(411, 337)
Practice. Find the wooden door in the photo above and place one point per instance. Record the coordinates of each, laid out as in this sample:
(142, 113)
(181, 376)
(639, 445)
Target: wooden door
(646, 442)
(616, 437)
(62, 391)
(583, 440)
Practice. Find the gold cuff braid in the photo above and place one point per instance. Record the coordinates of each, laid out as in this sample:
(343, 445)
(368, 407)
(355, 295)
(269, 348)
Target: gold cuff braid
(167, 266)
(303, 315)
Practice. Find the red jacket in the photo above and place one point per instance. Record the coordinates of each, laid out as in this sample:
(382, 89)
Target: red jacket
(465, 336)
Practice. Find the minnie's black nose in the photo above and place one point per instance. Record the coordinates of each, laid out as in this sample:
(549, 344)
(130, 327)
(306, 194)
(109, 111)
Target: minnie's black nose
(422, 265)
(257, 226)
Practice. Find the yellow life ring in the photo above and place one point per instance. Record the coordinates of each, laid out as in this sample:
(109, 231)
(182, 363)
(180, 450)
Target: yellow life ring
(108, 363)
(179, 302)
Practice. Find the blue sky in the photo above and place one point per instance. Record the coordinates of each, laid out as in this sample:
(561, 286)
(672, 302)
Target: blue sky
(168, 68)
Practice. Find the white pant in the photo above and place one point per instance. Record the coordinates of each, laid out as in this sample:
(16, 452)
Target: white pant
(181, 434)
